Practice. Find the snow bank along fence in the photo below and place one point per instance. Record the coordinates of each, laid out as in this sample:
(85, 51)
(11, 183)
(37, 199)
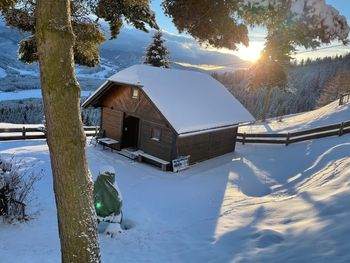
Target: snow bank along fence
(293, 137)
(24, 133)
(344, 98)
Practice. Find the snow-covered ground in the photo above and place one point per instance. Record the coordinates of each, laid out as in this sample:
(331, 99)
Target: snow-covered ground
(28, 94)
(3, 73)
(105, 71)
(329, 114)
(262, 203)
(23, 72)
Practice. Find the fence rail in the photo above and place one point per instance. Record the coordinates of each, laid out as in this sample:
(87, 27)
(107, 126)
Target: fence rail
(25, 133)
(293, 137)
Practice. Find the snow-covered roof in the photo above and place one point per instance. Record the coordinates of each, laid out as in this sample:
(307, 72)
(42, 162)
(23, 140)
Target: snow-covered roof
(190, 101)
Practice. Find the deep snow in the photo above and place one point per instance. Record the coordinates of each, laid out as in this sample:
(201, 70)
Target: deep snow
(3, 73)
(332, 113)
(263, 203)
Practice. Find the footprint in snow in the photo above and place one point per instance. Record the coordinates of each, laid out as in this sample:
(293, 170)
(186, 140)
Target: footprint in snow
(266, 238)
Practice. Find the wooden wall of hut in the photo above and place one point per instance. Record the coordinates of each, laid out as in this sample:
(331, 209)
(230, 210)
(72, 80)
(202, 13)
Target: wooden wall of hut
(207, 145)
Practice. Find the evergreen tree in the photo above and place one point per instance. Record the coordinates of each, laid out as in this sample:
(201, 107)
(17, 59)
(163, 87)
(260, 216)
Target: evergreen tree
(340, 84)
(63, 33)
(157, 54)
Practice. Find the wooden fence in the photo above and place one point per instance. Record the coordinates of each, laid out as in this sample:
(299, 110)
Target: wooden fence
(24, 133)
(293, 137)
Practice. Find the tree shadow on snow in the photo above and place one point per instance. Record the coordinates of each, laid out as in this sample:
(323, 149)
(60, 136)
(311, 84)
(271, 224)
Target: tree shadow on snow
(248, 179)
(286, 168)
(324, 161)
(326, 241)
(239, 240)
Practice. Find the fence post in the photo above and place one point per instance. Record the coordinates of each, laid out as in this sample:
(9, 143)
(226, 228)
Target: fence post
(341, 129)
(23, 132)
(96, 131)
(287, 139)
(244, 135)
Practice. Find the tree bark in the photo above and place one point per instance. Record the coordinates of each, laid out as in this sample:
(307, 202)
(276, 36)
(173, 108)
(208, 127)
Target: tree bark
(66, 139)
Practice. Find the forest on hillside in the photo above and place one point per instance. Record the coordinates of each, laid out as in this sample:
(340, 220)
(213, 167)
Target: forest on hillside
(31, 111)
(311, 84)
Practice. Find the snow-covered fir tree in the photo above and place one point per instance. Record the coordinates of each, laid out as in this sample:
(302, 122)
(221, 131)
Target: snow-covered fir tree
(157, 54)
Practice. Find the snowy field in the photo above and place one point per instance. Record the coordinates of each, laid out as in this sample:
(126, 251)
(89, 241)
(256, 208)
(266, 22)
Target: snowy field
(259, 204)
(29, 94)
(262, 203)
(327, 115)
(3, 73)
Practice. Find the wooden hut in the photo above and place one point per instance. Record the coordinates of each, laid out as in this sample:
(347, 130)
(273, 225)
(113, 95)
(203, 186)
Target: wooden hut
(168, 113)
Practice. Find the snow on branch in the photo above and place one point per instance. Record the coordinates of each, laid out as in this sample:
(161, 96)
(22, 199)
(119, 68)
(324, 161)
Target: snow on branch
(316, 13)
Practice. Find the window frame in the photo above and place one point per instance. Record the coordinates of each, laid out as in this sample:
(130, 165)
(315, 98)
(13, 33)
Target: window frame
(133, 90)
(153, 134)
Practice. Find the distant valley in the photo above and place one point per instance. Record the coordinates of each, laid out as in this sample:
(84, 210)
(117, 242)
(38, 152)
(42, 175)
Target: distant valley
(116, 54)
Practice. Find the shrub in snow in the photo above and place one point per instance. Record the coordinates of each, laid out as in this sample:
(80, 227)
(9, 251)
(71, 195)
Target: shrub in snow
(108, 201)
(16, 184)
(157, 54)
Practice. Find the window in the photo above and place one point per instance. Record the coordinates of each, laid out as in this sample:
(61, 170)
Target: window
(155, 134)
(135, 93)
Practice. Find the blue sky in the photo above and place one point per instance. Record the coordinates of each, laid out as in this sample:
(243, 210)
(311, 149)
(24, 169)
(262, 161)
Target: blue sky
(256, 35)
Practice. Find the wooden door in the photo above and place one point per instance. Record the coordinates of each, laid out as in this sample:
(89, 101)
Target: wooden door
(130, 132)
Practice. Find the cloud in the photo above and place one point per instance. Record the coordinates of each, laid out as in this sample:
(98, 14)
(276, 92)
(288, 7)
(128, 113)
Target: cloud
(182, 49)
(205, 67)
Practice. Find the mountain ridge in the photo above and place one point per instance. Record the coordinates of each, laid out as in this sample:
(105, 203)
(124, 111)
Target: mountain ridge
(116, 54)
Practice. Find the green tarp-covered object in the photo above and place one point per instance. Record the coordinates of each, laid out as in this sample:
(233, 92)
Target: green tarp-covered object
(106, 197)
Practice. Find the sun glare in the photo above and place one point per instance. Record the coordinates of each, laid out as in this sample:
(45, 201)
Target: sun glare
(251, 53)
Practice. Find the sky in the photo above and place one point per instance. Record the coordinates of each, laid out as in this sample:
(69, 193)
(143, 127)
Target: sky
(257, 35)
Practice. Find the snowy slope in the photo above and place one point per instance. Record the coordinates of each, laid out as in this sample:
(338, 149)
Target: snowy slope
(327, 115)
(3, 73)
(260, 204)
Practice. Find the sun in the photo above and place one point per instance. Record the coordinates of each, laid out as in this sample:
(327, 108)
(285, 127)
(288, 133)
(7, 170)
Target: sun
(251, 53)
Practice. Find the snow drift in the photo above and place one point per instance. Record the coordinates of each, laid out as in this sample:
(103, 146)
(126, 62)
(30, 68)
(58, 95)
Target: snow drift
(263, 203)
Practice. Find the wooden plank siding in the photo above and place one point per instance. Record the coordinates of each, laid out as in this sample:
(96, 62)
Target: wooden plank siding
(162, 148)
(118, 103)
(207, 145)
(119, 99)
(112, 124)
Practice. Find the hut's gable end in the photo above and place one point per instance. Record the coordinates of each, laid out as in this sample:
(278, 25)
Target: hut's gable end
(120, 98)
(118, 103)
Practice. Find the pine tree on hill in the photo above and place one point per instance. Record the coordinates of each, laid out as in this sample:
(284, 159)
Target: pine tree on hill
(157, 54)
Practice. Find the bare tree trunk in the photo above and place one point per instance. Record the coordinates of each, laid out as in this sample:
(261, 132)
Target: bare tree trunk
(66, 139)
